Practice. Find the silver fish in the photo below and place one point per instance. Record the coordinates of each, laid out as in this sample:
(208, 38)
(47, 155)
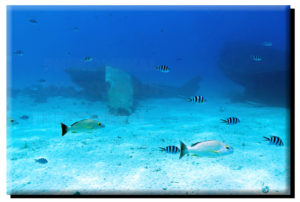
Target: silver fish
(210, 148)
(85, 125)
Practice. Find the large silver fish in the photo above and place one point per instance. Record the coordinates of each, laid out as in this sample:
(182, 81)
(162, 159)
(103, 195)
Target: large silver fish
(211, 148)
(85, 125)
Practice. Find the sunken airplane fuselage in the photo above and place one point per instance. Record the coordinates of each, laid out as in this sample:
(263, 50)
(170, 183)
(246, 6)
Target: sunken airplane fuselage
(265, 81)
(93, 85)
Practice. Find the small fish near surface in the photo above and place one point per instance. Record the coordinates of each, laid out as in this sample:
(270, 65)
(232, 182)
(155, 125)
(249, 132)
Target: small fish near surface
(231, 120)
(86, 125)
(170, 149)
(256, 58)
(41, 160)
(88, 59)
(274, 140)
(197, 99)
(19, 52)
(163, 68)
(211, 148)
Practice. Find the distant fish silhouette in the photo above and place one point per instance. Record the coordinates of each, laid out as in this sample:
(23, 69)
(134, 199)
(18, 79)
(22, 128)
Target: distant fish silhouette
(24, 117)
(18, 52)
(41, 160)
(163, 68)
(256, 58)
(88, 59)
(32, 21)
(42, 80)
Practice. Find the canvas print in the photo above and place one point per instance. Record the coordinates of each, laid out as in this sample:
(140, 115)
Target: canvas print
(148, 100)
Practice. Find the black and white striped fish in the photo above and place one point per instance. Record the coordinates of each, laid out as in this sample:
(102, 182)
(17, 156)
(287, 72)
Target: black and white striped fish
(256, 58)
(170, 149)
(231, 120)
(274, 140)
(163, 68)
(199, 99)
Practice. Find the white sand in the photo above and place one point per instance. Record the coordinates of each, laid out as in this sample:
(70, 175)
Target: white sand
(124, 158)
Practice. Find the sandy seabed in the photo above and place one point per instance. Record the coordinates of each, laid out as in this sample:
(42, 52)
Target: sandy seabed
(124, 157)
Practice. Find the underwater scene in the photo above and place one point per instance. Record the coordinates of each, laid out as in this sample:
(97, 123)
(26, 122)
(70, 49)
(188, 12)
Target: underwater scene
(148, 100)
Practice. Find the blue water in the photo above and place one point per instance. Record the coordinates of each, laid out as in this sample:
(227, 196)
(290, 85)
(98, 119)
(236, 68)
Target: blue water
(211, 52)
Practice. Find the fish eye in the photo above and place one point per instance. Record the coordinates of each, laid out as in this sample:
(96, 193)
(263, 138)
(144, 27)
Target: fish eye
(227, 147)
(99, 123)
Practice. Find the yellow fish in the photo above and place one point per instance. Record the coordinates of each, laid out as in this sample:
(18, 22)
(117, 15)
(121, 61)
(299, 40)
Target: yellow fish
(81, 126)
(210, 148)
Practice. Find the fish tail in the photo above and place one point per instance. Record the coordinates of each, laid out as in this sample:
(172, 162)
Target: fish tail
(64, 129)
(162, 149)
(224, 121)
(183, 150)
(189, 99)
(266, 138)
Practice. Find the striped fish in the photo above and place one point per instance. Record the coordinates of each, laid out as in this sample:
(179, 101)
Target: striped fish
(274, 140)
(256, 58)
(163, 68)
(170, 149)
(231, 120)
(88, 59)
(197, 99)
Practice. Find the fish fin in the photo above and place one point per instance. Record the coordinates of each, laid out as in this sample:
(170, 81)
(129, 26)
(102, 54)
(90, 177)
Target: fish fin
(74, 132)
(266, 138)
(183, 150)
(74, 123)
(214, 151)
(162, 149)
(195, 155)
(195, 144)
(64, 129)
